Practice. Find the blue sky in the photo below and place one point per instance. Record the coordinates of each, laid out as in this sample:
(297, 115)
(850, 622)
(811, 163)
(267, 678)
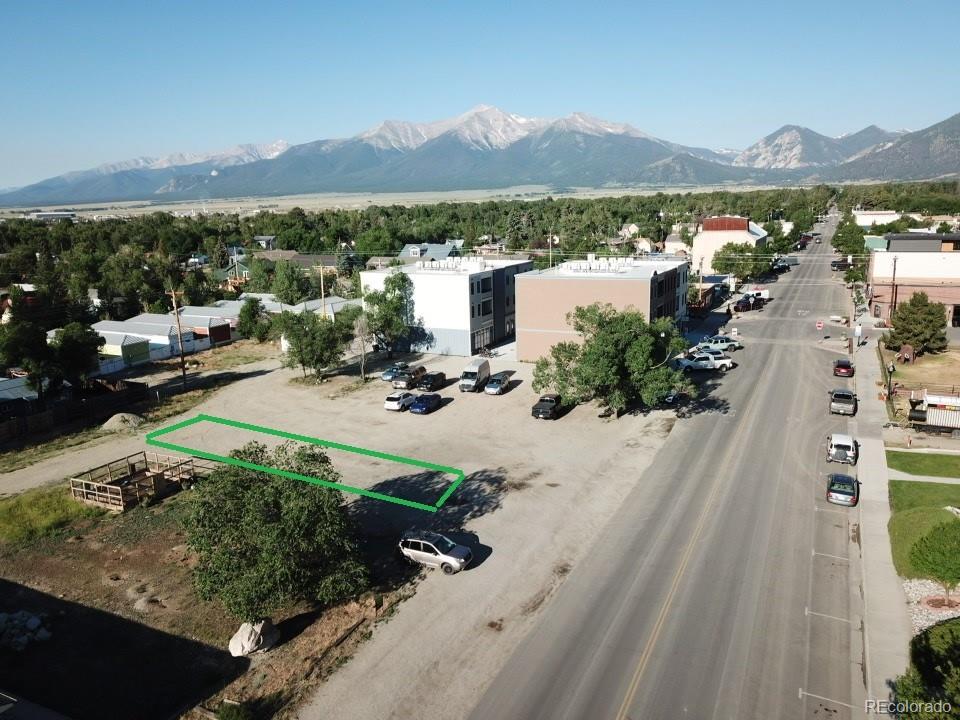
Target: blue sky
(91, 82)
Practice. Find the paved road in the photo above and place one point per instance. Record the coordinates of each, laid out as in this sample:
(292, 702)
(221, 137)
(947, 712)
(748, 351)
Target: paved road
(725, 587)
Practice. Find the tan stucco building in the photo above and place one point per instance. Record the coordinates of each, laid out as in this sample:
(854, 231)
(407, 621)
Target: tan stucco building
(657, 288)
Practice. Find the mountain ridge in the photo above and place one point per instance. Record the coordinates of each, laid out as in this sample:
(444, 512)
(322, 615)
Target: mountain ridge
(487, 147)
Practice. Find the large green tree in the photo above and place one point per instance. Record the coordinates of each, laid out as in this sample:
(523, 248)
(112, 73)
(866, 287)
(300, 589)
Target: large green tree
(742, 260)
(937, 555)
(24, 344)
(314, 343)
(390, 312)
(622, 360)
(264, 542)
(920, 323)
(290, 286)
(77, 349)
(253, 321)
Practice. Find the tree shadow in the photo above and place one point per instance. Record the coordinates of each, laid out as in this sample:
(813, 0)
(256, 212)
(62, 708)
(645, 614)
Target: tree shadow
(379, 523)
(705, 402)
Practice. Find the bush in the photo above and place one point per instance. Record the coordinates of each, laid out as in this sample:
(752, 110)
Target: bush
(934, 673)
(230, 711)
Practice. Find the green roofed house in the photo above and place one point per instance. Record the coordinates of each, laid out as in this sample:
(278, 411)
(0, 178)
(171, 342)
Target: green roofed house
(875, 242)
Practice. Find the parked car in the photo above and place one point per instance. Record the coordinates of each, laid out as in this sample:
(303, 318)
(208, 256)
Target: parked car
(409, 378)
(842, 490)
(744, 304)
(547, 407)
(720, 342)
(391, 372)
(842, 449)
(474, 376)
(843, 368)
(762, 293)
(432, 381)
(425, 403)
(697, 360)
(434, 550)
(497, 384)
(399, 401)
(843, 402)
(839, 265)
(780, 266)
(717, 355)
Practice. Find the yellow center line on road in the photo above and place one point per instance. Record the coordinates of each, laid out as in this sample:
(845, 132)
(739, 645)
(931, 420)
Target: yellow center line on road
(754, 403)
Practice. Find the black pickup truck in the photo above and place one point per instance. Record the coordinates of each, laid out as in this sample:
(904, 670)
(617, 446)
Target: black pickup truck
(547, 407)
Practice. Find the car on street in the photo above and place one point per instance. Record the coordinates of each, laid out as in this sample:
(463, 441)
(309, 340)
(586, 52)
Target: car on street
(843, 368)
(432, 381)
(434, 550)
(399, 401)
(744, 304)
(697, 360)
(717, 355)
(839, 265)
(425, 403)
(391, 372)
(547, 407)
(497, 384)
(843, 402)
(720, 342)
(842, 490)
(780, 266)
(842, 449)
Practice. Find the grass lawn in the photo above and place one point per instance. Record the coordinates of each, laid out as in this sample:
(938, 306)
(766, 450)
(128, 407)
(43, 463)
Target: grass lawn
(924, 463)
(39, 513)
(940, 369)
(916, 508)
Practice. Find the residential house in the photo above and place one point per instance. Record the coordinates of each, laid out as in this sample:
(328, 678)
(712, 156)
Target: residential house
(465, 303)
(657, 287)
(628, 231)
(232, 277)
(160, 331)
(265, 242)
(716, 232)
(432, 251)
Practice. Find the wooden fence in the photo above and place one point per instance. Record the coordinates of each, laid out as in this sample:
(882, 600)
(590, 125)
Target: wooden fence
(127, 482)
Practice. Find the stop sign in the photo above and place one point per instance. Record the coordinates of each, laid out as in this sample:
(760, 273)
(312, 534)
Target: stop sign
(819, 324)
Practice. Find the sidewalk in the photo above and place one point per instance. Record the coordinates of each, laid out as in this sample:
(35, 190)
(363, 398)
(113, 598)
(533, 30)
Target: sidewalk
(887, 629)
(897, 475)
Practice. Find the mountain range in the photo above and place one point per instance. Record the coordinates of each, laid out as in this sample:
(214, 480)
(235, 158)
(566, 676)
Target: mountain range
(488, 148)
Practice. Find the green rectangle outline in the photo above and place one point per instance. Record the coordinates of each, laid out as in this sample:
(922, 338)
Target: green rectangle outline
(151, 439)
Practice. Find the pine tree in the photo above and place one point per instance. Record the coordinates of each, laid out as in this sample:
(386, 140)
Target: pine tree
(920, 323)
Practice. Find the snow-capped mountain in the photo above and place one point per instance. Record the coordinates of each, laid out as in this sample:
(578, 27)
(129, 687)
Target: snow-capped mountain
(487, 147)
(484, 127)
(236, 155)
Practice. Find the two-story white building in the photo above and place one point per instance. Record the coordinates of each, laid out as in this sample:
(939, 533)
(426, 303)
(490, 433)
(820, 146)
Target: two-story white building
(464, 303)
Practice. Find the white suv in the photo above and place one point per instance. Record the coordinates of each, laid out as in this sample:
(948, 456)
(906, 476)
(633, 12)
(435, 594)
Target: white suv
(434, 550)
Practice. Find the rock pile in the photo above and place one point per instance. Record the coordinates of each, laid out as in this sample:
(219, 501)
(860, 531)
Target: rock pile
(19, 629)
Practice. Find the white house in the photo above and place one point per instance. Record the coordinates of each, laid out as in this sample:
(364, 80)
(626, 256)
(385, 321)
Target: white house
(719, 231)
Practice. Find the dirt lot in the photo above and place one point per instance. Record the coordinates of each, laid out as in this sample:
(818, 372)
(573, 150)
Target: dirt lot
(941, 370)
(535, 495)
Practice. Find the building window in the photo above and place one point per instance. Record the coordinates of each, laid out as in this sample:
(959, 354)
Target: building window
(486, 285)
(486, 308)
(471, 311)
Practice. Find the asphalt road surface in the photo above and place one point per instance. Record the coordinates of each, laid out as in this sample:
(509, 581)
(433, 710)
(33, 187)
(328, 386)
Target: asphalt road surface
(725, 587)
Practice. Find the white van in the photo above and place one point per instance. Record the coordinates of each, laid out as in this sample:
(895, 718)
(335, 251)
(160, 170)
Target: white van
(475, 376)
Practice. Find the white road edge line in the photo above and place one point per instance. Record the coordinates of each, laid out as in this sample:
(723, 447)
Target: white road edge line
(828, 555)
(808, 611)
(826, 510)
(825, 699)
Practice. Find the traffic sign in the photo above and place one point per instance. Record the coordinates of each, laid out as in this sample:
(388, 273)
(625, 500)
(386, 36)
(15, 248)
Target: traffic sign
(819, 324)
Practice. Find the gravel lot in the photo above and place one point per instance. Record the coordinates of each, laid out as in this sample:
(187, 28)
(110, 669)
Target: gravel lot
(532, 502)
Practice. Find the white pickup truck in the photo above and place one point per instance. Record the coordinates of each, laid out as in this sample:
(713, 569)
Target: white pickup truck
(703, 361)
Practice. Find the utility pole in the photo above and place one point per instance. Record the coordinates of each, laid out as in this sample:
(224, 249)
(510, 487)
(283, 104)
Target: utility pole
(323, 295)
(176, 314)
(893, 289)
